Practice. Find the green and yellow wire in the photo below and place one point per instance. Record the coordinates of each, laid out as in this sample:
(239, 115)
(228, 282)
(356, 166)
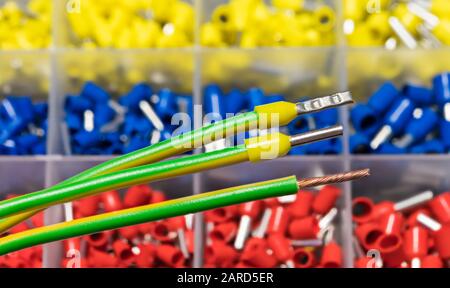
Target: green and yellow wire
(159, 151)
(284, 112)
(147, 213)
(277, 143)
(172, 208)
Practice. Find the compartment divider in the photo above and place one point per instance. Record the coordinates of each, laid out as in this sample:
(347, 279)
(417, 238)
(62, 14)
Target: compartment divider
(52, 252)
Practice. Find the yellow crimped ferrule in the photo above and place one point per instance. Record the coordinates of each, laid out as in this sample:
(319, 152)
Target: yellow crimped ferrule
(276, 114)
(267, 147)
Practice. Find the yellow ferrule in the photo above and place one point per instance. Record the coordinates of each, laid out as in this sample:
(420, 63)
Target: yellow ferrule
(267, 147)
(276, 114)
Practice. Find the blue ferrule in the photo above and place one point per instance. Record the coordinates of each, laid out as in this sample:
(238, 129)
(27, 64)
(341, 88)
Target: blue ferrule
(388, 148)
(399, 115)
(255, 97)
(94, 93)
(77, 104)
(419, 128)
(235, 101)
(359, 144)
(422, 96)
(363, 117)
(383, 98)
(441, 87)
(214, 101)
(166, 105)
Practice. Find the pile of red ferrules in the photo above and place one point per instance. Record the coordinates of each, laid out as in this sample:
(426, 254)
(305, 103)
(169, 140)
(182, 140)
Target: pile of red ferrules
(166, 243)
(414, 232)
(294, 232)
(26, 258)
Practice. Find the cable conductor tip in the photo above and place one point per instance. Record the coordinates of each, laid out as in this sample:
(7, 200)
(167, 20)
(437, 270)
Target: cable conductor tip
(335, 178)
(317, 135)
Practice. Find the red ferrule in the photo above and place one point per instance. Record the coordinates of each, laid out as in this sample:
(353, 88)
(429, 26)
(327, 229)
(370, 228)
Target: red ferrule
(36, 263)
(99, 239)
(76, 213)
(178, 222)
(302, 206)
(100, 259)
(221, 254)
(19, 228)
(170, 255)
(163, 231)
(251, 209)
(391, 249)
(305, 228)
(243, 265)
(383, 208)
(415, 242)
(129, 232)
(255, 243)
(15, 262)
(362, 209)
(145, 228)
(432, 261)
(431, 242)
(271, 202)
(440, 206)
(224, 232)
(123, 253)
(37, 252)
(391, 223)
(279, 221)
(28, 254)
(259, 258)
(220, 215)
(412, 218)
(368, 234)
(137, 196)
(87, 206)
(442, 240)
(111, 201)
(303, 258)
(331, 256)
(146, 256)
(38, 220)
(326, 199)
(365, 262)
(280, 246)
(157, 196)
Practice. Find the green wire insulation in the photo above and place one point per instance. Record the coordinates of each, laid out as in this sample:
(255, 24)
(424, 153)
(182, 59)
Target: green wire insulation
(159, 151)
(147, 213)
(125, 178)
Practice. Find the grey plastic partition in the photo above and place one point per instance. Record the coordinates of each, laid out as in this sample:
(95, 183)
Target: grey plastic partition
(293, 71)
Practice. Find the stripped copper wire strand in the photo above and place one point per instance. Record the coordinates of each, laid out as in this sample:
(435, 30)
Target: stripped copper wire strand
(335, 178)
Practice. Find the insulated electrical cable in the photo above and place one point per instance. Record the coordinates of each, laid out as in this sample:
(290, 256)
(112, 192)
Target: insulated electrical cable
(269, 146)
(168, 209)
(284, 113)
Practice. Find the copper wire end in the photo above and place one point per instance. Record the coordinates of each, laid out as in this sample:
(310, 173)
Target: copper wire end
(336, 178)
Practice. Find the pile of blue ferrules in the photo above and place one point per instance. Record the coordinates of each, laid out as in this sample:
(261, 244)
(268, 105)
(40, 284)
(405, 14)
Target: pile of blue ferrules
(414, 120)
(220, 105)
(23, 126)
(96, 124)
